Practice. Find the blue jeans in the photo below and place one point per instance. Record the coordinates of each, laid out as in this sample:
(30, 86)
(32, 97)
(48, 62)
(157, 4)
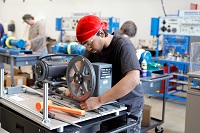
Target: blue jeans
(137, 127)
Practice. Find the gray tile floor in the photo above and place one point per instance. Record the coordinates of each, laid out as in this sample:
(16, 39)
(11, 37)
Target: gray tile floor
(174, 115)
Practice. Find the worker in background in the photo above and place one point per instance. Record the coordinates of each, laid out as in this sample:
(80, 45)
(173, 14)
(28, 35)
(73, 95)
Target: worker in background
(1, 32)
(36, 37)
(120, 52)
(128, 29)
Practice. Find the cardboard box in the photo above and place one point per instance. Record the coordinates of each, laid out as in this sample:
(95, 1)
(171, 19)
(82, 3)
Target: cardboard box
(17, 70)
(18, 80)
(25, 74)
(146, 119)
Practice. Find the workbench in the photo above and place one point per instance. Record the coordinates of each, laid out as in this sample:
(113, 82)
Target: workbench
(19, 114)
(22, 116)
(18, 60)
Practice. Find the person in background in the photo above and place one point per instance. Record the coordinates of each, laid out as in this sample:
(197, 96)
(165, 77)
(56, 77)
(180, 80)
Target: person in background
(120, 52)
(36, 37)
(128, 29)
(1, 32)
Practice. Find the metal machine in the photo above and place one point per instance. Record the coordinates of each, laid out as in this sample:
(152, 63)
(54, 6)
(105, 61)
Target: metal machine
(57, 72)
(178, 31)
(81, 77)
(13, 46)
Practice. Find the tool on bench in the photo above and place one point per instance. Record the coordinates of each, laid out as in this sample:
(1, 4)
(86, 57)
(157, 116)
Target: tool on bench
(53, 116)
(39, 106)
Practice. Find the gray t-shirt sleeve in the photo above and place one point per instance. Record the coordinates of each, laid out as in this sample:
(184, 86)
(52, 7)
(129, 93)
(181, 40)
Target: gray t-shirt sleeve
(129, 59)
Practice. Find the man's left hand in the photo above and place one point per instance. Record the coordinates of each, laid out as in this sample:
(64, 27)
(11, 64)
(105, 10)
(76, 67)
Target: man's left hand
(91, 104)
(28, 43)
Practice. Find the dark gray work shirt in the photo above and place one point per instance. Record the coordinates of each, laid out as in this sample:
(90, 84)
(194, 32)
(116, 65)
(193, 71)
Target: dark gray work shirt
(122, 55)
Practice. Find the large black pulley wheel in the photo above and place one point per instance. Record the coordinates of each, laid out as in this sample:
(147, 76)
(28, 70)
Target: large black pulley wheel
(81, 78)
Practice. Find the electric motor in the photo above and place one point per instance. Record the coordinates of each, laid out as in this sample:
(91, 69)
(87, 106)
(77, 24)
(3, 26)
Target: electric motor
(45, 69)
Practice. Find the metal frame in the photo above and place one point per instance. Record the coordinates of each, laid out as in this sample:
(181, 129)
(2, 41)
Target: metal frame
(169, 94)
(155, 121)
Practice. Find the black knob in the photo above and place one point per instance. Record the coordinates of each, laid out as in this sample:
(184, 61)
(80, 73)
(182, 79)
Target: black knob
(164, 22)
(163, 28)
(168, 30)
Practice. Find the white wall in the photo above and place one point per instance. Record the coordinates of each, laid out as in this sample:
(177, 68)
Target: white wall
(139, 11)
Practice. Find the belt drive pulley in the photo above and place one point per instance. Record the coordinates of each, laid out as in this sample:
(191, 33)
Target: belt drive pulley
(81, 78)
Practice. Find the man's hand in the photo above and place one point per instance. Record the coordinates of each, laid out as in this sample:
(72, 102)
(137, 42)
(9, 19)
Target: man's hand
(28, 43)
(67, 93)
(91, 104)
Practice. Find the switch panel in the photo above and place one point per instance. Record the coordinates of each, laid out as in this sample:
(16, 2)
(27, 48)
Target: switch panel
(174, 25)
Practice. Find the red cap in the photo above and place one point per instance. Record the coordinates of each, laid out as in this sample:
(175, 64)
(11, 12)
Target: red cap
(89, 26)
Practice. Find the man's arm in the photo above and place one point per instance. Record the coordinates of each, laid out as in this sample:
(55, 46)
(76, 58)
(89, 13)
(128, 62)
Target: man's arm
(122, 88)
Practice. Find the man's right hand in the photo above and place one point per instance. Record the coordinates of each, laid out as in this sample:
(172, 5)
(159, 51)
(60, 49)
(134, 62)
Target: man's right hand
(67, 93)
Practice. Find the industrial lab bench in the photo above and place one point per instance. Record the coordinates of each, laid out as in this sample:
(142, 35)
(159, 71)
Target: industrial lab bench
(18, 60)
(146, 83)
(19, 114)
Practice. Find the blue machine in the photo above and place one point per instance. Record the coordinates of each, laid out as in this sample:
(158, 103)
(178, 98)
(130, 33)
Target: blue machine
(174, 43)
(154, 27)
(13, 46)
(69, 48)
(145, 55)
(113, 24)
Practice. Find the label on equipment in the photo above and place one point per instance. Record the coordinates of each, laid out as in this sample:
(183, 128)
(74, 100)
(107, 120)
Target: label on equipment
(151, 84)
(105, 81)
(105, 73)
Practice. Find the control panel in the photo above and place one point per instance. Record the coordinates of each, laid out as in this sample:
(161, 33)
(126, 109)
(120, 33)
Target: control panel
(175, 44)
(103, 73)
(70, 23)
(174, 25)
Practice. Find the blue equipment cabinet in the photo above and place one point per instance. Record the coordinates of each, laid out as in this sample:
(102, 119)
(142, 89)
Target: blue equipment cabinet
(113, 24)
(174, 43)
(58, 24)
(154, 27)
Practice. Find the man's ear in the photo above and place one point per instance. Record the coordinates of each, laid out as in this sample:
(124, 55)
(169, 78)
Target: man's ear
(101, 33)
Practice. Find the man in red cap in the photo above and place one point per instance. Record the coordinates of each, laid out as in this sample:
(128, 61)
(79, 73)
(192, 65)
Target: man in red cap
(120, 52)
